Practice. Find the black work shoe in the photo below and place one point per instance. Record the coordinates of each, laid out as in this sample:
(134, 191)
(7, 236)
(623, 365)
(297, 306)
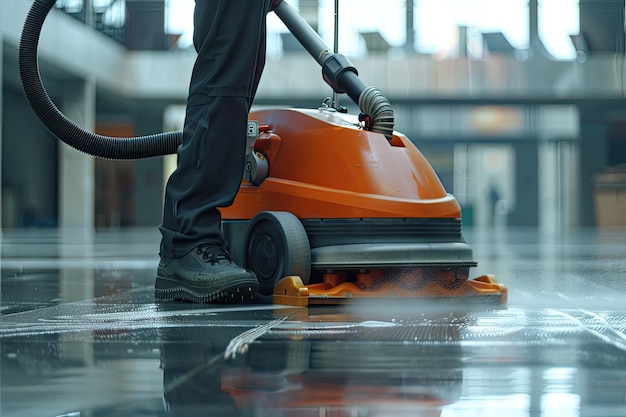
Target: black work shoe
(207, 274)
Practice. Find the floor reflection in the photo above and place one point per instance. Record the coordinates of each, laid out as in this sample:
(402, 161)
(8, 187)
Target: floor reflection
(81, 335)
(300, 372)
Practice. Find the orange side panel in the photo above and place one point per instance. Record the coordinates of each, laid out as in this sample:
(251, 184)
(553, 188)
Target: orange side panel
(307, 201)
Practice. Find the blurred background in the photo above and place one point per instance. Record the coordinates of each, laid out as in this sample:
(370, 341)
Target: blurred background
(518, 104)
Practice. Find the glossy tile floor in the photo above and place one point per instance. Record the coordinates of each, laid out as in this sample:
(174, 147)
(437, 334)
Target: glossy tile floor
(80, 335)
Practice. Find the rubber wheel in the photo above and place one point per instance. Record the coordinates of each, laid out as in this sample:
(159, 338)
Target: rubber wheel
(276, 246)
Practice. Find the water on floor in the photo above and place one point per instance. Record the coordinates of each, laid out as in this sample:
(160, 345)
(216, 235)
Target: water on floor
(80, 335)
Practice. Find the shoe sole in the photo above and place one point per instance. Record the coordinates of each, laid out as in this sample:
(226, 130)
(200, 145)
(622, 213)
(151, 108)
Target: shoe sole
(237, 293)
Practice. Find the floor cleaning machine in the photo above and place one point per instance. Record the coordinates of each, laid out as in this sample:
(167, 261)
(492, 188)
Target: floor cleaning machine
(332, 208)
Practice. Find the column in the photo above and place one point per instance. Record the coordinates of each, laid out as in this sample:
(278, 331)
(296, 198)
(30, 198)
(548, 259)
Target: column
(410, 27)
(602, 25)
(1, 188)
(1, 114)
(145, 25)
(76, 213)
(147, 176)
(592, 156)
(526, 211)
(309, 10)
(76, 169)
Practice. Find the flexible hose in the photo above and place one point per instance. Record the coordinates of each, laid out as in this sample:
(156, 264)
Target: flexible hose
(339, 73)
(58, 124)
(373, 103)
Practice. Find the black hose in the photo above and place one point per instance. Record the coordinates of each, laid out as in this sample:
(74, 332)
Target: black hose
(339, 73)
(370, 100)
(59, 125)
(373, 103)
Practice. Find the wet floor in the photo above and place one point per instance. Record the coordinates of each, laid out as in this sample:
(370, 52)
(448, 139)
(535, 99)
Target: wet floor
(80, 335)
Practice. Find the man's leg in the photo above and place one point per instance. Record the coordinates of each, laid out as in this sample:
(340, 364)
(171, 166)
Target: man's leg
(230, 39)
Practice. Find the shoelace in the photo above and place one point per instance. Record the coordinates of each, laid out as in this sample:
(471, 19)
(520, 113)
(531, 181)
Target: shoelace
(213, 253)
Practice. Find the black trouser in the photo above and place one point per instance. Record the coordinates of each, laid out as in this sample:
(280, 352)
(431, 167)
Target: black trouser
(229, 36)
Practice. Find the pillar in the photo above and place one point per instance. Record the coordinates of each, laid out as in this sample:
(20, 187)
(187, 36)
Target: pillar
(145, 25)
(309, 10)
(594, 132)
(602, 25)
(1, 179)
(1, 124)
(533, 23)
(147, 177)
(76, 169)
(526, 211)
(76, 212)
(602, 28)
(410, 27)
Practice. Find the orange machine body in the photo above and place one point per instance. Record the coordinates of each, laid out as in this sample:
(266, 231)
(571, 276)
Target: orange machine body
(322, 164)
(345, 210)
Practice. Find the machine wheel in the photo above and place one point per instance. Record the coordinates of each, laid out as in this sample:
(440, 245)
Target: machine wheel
(276, 246)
